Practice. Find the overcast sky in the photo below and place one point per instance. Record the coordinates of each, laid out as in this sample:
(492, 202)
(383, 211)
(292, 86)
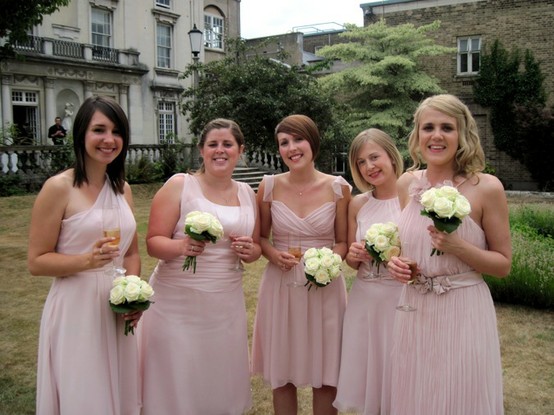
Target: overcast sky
(265, 18)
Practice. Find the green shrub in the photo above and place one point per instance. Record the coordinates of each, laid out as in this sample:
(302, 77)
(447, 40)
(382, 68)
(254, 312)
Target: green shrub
(531, 279)
(142, 171)
(10, 185)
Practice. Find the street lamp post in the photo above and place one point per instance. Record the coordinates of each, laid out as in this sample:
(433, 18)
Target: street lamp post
(195, 37)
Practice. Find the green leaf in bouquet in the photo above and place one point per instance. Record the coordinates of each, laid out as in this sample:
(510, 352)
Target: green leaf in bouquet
(447, 225)
(374, 254)
(130, 307)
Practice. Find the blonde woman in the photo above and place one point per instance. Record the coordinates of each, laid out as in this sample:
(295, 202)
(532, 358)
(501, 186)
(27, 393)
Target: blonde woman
(364, 376)
(446, 354)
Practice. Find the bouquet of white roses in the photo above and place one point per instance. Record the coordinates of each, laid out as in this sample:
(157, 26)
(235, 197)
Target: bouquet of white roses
(201, 226)
(382, 242)
(446, 206)
(130, 293)
(321, 266)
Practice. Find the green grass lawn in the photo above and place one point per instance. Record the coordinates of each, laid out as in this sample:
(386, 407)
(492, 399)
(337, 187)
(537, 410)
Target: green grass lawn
(526, 335)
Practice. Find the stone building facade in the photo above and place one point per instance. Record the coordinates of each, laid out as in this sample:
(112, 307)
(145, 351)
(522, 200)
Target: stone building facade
(471, 26)
(132, 50)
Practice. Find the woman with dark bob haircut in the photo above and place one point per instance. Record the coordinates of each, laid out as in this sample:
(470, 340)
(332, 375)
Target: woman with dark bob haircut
(85, 363)
(297, 333)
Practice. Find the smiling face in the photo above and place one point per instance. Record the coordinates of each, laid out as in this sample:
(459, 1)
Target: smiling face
(295, 151)
(220, 151)
(438, 137)
(103, 140)
(375, 166)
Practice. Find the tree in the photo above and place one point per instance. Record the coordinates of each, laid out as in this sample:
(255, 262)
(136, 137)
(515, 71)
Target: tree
(256, 93)
(515, 94)
(535, 126)
(385, 81)
(19, 17)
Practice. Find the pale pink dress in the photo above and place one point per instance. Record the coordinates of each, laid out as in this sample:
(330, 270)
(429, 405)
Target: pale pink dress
(86, 365)
(364, 377)
(297, 333)
(193, 339)
(446, 354)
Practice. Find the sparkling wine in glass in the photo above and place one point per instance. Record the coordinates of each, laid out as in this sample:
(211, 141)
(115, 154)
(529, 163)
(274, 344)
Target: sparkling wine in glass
(111, 227)
(295, 249)
(413, 268)
(238, 231)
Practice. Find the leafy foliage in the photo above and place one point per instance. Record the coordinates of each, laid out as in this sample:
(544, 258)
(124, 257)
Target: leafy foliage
(531, 279)
(385, 81)
(257, 93)
(513, 89)
(18, 18)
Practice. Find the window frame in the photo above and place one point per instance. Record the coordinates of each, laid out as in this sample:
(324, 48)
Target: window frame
(165, 47)
(213, 39)
(93, 33)
(165, 4)
(167, 117)
(468, 55)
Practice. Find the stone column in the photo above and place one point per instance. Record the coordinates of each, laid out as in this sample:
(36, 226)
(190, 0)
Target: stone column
(7, 114)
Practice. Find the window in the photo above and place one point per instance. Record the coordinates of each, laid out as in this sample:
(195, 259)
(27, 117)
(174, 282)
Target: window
(164, 3)
(166, 122)
(25, 117)
(163, 45)
(213, 31)
(469, 55)
(101, 27)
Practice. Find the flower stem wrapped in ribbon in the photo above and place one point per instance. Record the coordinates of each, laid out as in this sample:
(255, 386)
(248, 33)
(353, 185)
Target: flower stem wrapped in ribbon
(321, 266)
(201, 226)
(382, 242)
(130, 293)
(446, 206)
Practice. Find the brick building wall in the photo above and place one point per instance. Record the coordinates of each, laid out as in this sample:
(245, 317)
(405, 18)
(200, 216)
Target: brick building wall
(523, 24)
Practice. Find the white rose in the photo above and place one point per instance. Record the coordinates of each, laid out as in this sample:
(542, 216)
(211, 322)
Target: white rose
(443, 207)
(448, 191)
(134, 279)
(381, 243)
(337, 259)
(389, 228)
(117, 294)
(327, 261)
(428, 199)
(310, 253)
(371, 234)
(216, 229)
(132, 291)
(311, 265)
(119, 281)
(335, 271)
(390, 252)
(322, 277)
(146, 291)
(462, 207)
(201, 223)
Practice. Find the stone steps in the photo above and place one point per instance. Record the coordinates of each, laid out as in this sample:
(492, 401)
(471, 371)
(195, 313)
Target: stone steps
(250, 175)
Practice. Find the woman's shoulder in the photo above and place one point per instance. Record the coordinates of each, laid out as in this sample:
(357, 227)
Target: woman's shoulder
(62, 182)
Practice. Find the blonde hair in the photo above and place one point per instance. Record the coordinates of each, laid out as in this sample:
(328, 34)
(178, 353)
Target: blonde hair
(470, 157)
(384, 141)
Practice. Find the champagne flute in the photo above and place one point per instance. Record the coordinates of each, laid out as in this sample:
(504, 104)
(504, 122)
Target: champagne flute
(111, 227)
(238, 231)
(295, 249)
(413, 268)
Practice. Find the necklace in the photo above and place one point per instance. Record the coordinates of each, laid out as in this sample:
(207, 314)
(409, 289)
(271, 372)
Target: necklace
(306, 187)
